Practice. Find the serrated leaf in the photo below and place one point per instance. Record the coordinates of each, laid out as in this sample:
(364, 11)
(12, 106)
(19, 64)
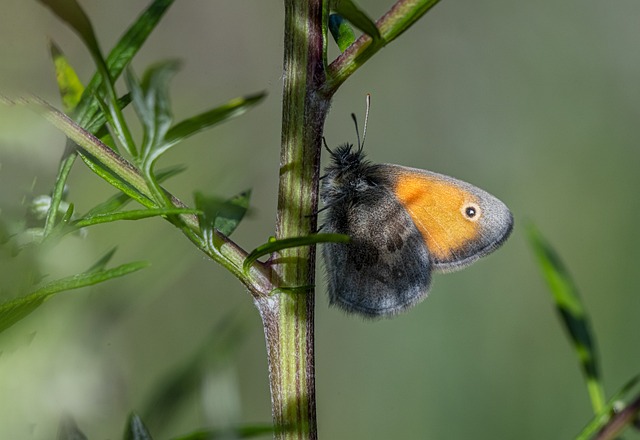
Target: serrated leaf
(287, 243)
(69, 84)
(68, 430)
(198, 123)
(219, 214)
(15, 310)
(572, 313)
(349, 10)
(136, 430)
(341, 31)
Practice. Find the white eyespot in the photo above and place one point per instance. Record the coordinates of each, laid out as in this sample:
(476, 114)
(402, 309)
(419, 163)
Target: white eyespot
(471, 211)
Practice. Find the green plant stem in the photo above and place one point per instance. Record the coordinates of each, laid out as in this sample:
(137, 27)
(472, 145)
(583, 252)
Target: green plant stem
(402, 15)
(288, 317)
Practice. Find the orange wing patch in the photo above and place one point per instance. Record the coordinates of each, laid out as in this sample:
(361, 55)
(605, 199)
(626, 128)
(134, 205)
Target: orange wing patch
(436, 206)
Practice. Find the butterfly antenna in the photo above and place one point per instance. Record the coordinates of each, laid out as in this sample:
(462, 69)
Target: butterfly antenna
(366, 120)
(324, 141)
(355, 122)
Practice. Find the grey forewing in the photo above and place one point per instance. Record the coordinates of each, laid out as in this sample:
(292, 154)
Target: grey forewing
(385, 268)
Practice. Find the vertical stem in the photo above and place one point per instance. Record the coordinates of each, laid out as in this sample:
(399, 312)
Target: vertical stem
(288, 318)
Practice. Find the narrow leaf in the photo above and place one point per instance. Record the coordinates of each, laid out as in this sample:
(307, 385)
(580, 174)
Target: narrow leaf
(135, 214)
(15, 310)
(69, 84)
(117, 201)
(349, 10)
(198, 123)
(341, 31)
(571, 312)
(121, 55)
(71, 12)
(101, 264)
(136, 430)
(286, 243)
(223, 215)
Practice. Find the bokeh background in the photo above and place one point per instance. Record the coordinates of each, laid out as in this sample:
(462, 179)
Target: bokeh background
(536, 102)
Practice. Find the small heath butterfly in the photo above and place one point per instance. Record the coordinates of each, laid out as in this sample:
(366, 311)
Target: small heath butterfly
(404, 223)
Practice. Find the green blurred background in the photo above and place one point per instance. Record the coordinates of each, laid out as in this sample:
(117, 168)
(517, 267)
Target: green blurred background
(536, 102)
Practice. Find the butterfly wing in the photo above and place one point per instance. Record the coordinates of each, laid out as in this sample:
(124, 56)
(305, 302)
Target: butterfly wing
(385, 268)
(458, 222)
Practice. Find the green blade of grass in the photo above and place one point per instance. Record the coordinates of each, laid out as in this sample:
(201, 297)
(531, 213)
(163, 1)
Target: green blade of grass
(277, 245)
(15, 310)
(572, 313)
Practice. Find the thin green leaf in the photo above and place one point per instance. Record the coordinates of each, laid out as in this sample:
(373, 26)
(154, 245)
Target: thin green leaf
(155, 109)
(127, 174)
(15, 310)
(101, 264)
(136, 214)
(97, 124)
(402, 15)
(349, 10)
(247, 431)
(196, 124)
(341, 31)
(68, 430)
(572, 313)
(608, 412)
(274, 245)
(69, 84)
(223, 215)
(119, 200)
(136, 430)
(86, 109)
(72, 13)
(121, 55)
(116, 180)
